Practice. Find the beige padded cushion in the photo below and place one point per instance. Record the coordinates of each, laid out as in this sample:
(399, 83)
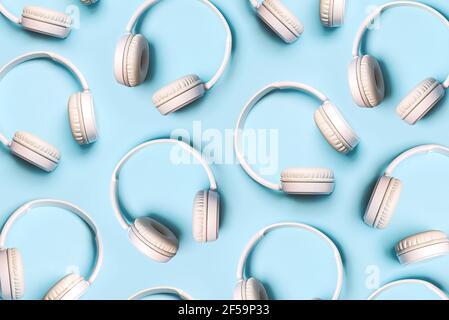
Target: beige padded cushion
(176, 88)
(16, 275)
(157, 235)
(372, 80)
(63, 286)
(329, 132)
(416, 96)
(37, 145)
(255, 290)
(325, 12)
(137, 60)
(283, 14)
(75, 116)
(88, 2)
(420, 240)
(200, 216)
(47, 15)
(389, 203)
(307, 175)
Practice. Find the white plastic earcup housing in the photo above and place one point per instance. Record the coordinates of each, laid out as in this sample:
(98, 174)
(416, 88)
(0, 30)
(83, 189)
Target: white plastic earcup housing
(82, 118)
(12, 281)
(422, 246)
(420, 100)
(35, 151)
(132, 60)
(307, 181)
(179, 94)
(366, 81)
(332, 12)
(251, 289)
(383, 202)
(206, 216)
(335, 129)
(71, 287)
(284, 23)
(46, 21)
(153, 239)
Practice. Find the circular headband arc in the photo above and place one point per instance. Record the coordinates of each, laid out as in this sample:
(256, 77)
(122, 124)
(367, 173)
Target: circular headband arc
(114, 188)
(379, 10)
(228, 48)
(423, 149)
(428, 285)
(262, 233)
(9, 15)
(23, 210)
(238, 133)
(161, 290)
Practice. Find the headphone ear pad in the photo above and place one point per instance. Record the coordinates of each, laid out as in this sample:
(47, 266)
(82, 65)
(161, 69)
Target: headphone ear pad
(422, 246)
(420, 101)
(332, 12)
(383, 202)
(16, 274)
(35, 151)
(132, 60)
(46, 21)
(335, 129)
(254, 290)
(82, 118)
(206, 216)
(71, 287)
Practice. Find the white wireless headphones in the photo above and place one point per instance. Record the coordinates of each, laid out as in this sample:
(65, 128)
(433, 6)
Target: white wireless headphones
(287, 26)
(41, 20)
(366, 78)
(72, 286)
(151, 237)
(161, 290)
(383, 202)
(81, 116)
(427, 284)
(253, 289)
(132, 63)
(335, 129)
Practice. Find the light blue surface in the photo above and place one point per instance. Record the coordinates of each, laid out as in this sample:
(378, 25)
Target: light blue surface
(187, 38)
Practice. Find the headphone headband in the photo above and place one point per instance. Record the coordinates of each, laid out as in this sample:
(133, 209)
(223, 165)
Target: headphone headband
(24, 209)
(423, 149)
(114, 188)
(356, 50)
(397, 283)
(238, 133)
(228, 49)
(9, 15)
(161, 290)
(262, 233)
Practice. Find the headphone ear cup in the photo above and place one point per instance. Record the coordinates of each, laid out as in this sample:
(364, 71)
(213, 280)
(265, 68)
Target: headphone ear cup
(366, 81)
(332, 13)
(153, 239)
(420, 101)
(132, 60)
(82, 118)
(383, 202)
(335, 129)
(206, 216)
(46, 21)
(254, 290)
(422, 246)
(307, 181)
(35, 151)
(71, 287)
(13, 271)
(284, 23)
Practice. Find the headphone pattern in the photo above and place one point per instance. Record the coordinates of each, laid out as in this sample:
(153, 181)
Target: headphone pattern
(72, 286)
(81, 114)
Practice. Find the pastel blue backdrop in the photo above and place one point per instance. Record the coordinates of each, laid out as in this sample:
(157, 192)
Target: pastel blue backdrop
(186, 38)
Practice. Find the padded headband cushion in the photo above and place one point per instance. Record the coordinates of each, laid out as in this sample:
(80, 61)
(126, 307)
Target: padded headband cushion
(283, 14)
(37, 145)
(254, 290)
(47, 16)
(420, 240)
(175, 88)
(16, 275)
(307, 175)
(157, 235)
(372, 81)
(62, 287)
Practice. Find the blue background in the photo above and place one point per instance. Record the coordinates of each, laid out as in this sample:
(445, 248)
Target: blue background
(186, 38)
